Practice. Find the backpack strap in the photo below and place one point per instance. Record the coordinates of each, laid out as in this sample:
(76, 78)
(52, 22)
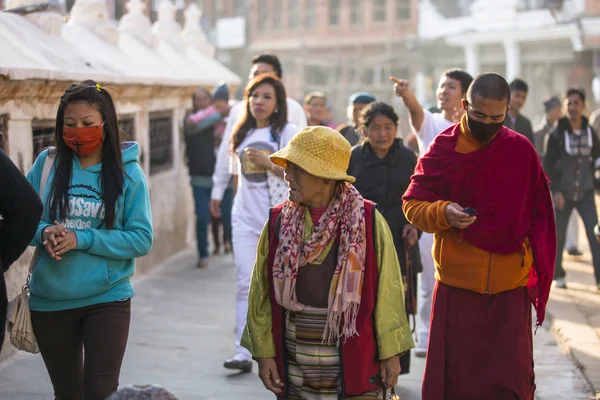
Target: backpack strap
(46, 170)
(48, 162)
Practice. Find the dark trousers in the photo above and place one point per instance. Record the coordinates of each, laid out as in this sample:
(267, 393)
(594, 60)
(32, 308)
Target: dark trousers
(586, 207)
(202, 206)
(225, 220)
(83, 348)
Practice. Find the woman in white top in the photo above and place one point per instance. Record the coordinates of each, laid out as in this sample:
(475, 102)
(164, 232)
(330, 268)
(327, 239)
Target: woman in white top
(263, 130)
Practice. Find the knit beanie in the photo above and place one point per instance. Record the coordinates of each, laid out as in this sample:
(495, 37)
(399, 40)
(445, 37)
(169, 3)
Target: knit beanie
(221, 92)
(361, 98)
(551, 103)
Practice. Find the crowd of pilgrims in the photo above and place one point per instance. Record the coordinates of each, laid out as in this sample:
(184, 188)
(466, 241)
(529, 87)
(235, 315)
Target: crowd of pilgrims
(329, 225)
(264, 121)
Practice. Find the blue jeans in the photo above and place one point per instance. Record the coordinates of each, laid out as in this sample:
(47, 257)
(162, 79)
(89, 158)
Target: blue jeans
(202, 202)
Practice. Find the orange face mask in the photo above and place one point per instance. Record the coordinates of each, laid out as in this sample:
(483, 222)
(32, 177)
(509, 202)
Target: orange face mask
(84, 141)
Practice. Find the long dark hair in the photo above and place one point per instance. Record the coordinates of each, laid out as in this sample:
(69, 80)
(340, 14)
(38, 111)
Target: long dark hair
(278, 120)
(112, 160)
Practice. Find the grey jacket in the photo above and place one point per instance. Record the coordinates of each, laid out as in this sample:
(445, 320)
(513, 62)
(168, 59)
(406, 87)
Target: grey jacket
(571, 159)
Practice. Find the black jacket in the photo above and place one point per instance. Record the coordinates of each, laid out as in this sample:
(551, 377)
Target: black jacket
(570, 159)
(384, 181)
(21, 210)
(200, 149)
(522, 125)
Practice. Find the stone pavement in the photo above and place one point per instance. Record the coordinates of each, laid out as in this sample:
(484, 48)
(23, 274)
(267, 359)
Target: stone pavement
(575, 316)
(182, 330)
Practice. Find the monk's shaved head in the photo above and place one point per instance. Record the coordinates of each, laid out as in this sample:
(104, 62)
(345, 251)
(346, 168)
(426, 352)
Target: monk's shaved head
(490, 86)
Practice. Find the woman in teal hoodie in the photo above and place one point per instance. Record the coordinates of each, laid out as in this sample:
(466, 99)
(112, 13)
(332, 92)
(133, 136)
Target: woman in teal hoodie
(96, 222)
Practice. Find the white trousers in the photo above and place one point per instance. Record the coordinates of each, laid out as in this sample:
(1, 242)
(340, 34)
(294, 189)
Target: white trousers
(244, 242)
(426, 285)
(572, 241)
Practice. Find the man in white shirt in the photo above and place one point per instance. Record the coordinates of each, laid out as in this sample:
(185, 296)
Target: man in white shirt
(452, 88)
(261, 64)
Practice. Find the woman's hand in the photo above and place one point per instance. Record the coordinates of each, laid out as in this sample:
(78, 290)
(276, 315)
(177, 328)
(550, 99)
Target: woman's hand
(65, 244)
(215, 208)
(457, 218)
(389, 370)
(410, 235)
(258, 157)
(267, 372)
(49, 236)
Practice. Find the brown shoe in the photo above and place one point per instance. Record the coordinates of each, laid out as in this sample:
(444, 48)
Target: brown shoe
(228, 248)
(202, 264)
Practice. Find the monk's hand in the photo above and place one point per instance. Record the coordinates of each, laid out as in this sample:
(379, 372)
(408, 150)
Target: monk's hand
(457, 218)
(559, 201)
(389, 370)
(410, 235)
(267, 372)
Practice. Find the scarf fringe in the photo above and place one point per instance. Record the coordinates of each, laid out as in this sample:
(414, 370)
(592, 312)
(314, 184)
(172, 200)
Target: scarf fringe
(334, 330)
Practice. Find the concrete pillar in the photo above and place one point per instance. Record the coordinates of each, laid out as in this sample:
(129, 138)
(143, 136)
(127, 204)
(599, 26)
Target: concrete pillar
(420, 87)
(472, 59)
(513, 59)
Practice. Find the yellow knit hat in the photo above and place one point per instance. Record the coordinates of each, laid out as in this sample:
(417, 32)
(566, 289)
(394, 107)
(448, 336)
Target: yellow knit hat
(318, 150)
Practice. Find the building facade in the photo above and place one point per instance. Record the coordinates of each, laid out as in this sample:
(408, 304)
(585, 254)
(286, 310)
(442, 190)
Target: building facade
(335, 46)
(342, 46)
(551, 44)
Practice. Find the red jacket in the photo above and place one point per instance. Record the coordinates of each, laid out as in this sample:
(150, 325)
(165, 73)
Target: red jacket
(358, 354)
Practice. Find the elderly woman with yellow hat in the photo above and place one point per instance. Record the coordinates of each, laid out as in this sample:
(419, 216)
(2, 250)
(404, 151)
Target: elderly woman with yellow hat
(326, 316)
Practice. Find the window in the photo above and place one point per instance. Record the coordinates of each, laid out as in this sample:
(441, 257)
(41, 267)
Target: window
(277, 15)
(356, 12)
(334, 12)
(293, 14)
(239, 8)
(403, 10)
(310, 14)
(4, 133)
(367, 76)
(161, 142)
(43, 136)
(316, 75)
(379, 10)
(262, 15)
(127, 125)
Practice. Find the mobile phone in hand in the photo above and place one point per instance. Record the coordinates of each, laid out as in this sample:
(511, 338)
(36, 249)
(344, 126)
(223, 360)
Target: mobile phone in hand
(470, 211)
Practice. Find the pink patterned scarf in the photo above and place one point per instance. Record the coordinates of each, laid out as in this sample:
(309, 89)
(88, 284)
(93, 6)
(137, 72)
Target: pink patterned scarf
(346, 216)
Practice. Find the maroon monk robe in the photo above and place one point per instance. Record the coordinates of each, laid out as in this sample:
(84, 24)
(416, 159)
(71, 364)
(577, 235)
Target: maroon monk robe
(505, 182)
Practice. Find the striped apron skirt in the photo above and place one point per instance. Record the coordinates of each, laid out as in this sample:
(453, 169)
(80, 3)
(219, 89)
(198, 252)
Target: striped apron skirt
(313, 367)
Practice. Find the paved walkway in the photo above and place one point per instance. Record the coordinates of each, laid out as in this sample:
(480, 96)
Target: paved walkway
(182, 330)
(575, 317)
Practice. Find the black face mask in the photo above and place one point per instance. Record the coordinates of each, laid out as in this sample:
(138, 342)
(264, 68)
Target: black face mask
(483, 132)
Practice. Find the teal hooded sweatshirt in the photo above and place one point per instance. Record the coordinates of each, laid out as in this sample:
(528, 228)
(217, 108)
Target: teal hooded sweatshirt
(99, 270)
